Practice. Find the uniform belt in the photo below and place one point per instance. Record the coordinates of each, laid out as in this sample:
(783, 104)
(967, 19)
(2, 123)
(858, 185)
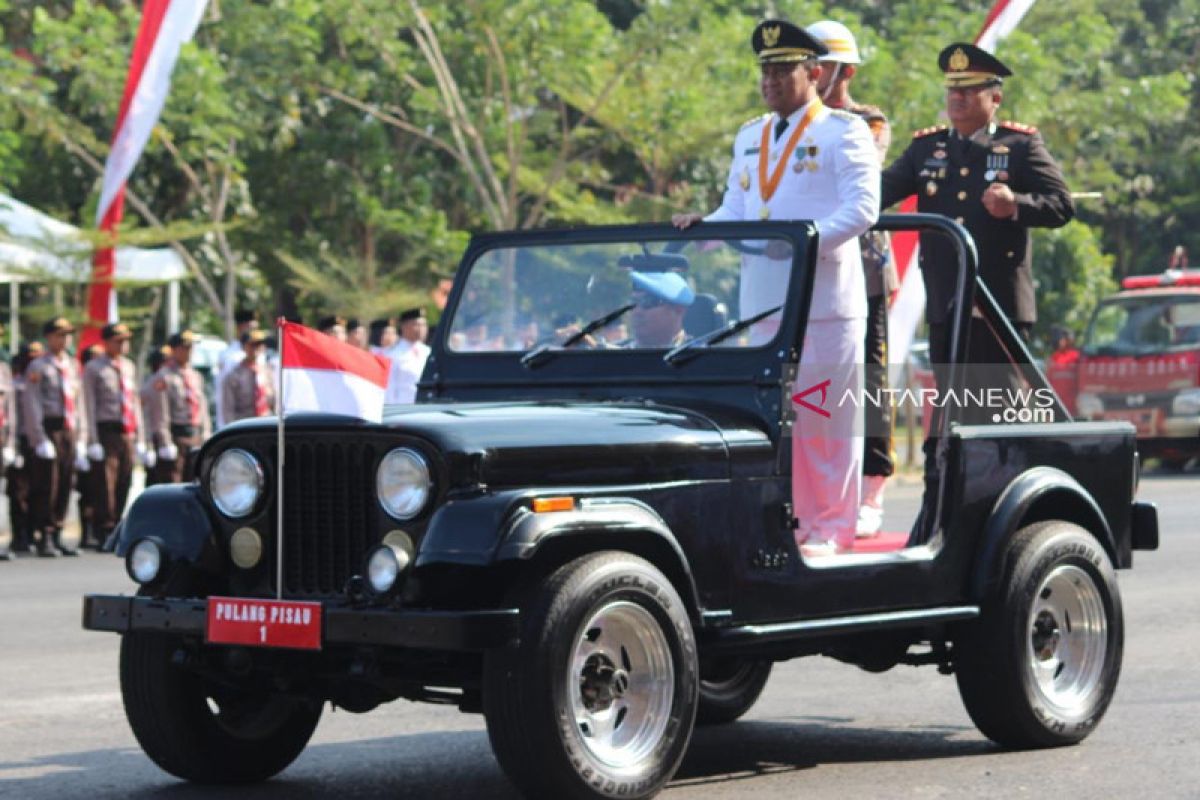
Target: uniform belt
(111, 427)
(183, 431)
(51, 424)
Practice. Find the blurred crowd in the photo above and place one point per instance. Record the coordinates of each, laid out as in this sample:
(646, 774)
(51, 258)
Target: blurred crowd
(81, 422)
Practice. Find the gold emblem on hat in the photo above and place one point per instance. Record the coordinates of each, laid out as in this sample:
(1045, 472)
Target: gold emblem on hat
(959, 60)
(770, 35)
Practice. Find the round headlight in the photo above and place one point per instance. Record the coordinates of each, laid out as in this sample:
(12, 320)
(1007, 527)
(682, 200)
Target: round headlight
(384, 566)
(403, 483)
(144, 561)
(235, 483)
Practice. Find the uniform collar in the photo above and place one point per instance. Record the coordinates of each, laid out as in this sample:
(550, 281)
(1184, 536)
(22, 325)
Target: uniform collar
(981, 135)
(793, 118)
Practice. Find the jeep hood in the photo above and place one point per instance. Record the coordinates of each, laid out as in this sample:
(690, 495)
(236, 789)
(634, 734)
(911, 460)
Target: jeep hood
(543, 443)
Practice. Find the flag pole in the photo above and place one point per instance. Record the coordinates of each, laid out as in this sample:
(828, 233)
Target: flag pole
(279, 465)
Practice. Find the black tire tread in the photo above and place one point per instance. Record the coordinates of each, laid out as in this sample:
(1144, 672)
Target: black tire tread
(993, 700)
(520, 743)
(181, 738)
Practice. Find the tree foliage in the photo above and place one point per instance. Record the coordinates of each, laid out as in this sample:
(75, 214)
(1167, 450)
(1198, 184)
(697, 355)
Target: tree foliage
(340, 151)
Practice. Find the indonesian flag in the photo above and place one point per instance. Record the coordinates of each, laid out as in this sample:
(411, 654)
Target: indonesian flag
(321, 373)
(165, 26)
(904, 314)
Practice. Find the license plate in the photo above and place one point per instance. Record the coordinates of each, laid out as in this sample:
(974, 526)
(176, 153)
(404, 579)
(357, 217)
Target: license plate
(264, 623)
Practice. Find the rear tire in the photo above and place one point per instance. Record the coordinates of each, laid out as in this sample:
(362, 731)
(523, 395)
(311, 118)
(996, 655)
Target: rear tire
(1040, 665)
(202, 732)
(729, 687)
(599, 698)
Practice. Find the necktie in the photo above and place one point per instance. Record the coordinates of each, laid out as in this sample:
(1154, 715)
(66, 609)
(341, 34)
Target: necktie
(128, 414)
(780, 127)
(261, 406)
(193, 398)
(68, 396)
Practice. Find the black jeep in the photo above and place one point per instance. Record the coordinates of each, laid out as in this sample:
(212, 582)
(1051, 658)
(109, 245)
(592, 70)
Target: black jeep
(583, 529)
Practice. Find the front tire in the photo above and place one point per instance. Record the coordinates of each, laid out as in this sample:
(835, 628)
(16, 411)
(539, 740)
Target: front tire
(1040, 666)
(599, 699)
(729, 687)
(203, 732)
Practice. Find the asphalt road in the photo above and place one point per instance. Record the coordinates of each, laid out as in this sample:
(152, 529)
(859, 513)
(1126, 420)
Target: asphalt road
(821, 729)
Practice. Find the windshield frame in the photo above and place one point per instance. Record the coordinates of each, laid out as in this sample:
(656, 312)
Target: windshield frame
(590, 370)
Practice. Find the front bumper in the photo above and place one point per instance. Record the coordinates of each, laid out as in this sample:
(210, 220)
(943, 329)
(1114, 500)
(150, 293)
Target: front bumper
(463, 631)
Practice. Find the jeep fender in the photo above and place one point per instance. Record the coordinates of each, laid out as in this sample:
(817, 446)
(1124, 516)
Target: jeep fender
(171, 513)
(1037, 494)
(619, 523)
(501, 527)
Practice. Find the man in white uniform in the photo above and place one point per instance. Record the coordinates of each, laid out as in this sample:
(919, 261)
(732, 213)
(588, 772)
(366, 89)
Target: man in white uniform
(408, 357)
(804, 161)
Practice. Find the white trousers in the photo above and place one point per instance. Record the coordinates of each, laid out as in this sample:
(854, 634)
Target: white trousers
(827, 444)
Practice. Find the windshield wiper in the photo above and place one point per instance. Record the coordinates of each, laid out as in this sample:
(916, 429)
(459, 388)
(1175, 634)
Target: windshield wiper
(733, 328)
(542, 352)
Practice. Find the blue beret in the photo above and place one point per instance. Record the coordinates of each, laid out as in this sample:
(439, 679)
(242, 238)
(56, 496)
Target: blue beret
(668, 286)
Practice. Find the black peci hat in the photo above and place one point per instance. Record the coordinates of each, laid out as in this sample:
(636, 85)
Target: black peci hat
(408, 315)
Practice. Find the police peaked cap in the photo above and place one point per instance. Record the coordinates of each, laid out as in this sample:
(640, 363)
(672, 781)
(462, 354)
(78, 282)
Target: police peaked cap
(967, 65)
(776, 41)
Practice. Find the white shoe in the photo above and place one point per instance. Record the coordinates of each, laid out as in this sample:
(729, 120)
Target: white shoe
(870, 520)
(820, 548)
(870, 513)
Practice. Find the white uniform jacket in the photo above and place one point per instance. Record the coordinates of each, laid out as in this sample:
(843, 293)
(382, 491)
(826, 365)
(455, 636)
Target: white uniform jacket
(408, 362)
(833, 179)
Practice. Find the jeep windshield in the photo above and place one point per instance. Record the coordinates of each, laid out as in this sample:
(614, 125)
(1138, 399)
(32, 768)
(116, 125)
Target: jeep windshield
(543, 299)
(1132, 326)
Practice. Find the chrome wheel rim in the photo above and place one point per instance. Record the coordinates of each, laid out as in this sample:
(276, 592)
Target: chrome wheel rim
(621, 684)
(1068, 641)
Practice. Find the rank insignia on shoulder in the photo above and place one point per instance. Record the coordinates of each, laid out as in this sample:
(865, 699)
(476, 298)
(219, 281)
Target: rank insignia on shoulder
(753, 120)
(1019, 127)
(842, 114)
(930, 131)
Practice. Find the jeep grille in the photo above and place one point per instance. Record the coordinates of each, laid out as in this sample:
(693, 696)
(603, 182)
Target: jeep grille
(329, 513)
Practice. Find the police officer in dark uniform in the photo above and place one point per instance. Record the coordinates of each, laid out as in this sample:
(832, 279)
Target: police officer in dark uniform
(997, 180)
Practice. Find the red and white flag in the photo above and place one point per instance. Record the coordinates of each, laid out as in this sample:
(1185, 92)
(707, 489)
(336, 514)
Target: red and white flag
(165, 26)
(904, 314)
(320, 373)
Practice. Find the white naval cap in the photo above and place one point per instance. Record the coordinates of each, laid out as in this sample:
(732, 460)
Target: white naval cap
(838, 39)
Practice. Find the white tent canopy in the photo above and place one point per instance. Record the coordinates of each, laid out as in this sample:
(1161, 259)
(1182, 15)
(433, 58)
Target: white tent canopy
(37, 248)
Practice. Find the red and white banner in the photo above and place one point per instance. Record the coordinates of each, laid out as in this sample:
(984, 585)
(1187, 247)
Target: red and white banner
(320, 373)
(165, 26)
(904, 314)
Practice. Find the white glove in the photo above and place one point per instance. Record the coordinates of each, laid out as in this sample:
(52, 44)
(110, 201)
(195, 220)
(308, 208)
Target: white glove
(82, 464)
(168, 452)
(46, 450)
(19, 462)
(95, 452)
(149, 458)
(10, 456)
(80, 451)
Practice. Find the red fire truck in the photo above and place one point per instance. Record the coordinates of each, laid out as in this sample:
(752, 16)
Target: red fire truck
(1140, 362)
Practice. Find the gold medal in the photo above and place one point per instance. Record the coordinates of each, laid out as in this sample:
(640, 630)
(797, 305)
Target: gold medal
(764, 213)
(745, 179)
(812, 166)
(931, 188)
